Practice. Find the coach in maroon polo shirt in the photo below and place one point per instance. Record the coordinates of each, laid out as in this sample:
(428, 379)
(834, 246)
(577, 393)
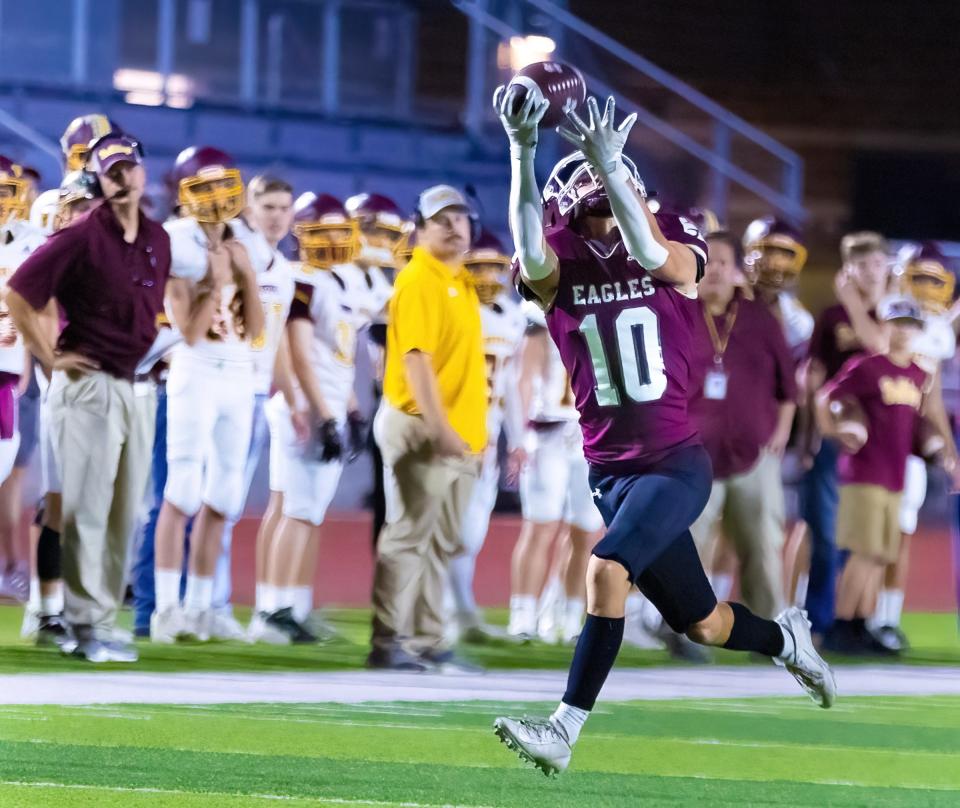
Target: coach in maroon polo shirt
(743, 402)
(108, 272)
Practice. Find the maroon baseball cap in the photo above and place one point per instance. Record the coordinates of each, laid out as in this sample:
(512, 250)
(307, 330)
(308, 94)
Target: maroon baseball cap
(114, 148)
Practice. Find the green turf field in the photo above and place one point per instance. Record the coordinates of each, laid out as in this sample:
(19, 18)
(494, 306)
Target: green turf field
(771, 752)
(934, 638)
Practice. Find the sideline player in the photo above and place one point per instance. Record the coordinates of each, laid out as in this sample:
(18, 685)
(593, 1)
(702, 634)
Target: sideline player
(619, 296)
(214, 302)
(503, 325)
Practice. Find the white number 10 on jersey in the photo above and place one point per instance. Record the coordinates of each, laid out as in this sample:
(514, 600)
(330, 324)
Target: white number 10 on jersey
(641, 357)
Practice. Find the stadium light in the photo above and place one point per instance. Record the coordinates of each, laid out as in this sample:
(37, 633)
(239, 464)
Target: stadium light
(148, 88)
(520, 51)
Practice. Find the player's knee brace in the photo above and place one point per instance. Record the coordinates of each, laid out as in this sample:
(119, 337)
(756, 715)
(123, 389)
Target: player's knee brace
(48, 555)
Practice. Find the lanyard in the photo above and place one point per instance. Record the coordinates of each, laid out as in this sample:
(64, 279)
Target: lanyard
(720, 342)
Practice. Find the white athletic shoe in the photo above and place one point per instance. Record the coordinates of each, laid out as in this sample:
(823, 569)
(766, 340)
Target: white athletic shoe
(537, 741)
(260, 631)
(197, 624)
(166, 626)
(806, 665)
(224, 626)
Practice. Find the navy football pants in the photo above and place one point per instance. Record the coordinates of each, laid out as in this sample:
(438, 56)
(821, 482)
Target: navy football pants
(819, 501)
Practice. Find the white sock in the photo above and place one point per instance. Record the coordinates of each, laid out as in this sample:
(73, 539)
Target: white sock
(199, 594)
(52, 604)
(285, 597)
(800, 596)
(33, 602)
(523, 613)
(894, 606)
(573, 616)
(789, 646)
(167, 587)
(258, 597)
(268, 598)
(722, 584)
(570, 720)
(302, 602)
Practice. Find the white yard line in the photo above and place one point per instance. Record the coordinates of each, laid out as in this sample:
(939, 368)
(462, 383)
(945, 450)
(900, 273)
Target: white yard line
(238, 795)
(352, 687)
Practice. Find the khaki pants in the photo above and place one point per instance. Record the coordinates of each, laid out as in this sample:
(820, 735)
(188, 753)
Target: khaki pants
(750, 507)
(426, 498)
(102, 438)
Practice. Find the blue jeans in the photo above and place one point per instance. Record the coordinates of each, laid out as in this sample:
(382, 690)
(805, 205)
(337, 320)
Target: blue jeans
(259, 436)
(141, 574)
(819, 499)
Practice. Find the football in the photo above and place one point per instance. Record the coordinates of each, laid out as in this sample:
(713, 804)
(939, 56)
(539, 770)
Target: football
(851, 424)
(561, 84)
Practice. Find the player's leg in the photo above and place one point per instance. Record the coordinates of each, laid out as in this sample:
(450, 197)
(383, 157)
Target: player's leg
(884, 623)
(223, 494)
(586, 527)
(476, 523)
(14, 572)
(543, 486)
(191, 416)
(21, 427)
(820, 497)
(224, 625)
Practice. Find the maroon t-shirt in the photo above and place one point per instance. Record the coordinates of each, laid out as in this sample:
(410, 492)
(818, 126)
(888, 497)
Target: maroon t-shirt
(834, 341)
(625, 340)
(890, 397)
(110, 292)
(759, 378)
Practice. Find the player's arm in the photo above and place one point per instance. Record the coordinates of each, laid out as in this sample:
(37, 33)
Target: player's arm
(253, 316)
(300, 339)
(533, 359)
(868, 331)
(426, 393)
(602, 145)
(32, 327)
(191, 308)
(538, 264)
(935, 409)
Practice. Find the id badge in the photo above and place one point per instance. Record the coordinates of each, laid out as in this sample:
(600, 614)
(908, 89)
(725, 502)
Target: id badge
(715, 385)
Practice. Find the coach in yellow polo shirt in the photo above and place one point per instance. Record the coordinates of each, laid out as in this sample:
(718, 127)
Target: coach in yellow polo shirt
(431, 429)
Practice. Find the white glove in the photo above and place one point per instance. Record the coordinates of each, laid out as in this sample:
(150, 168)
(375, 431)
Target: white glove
(522, 127)
(600, 143)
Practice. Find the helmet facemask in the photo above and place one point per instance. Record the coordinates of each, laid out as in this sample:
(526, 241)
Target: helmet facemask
(213, 196)
(489, 272)
(331, 241)
(575, 187)
(930, 284)
(14, 198)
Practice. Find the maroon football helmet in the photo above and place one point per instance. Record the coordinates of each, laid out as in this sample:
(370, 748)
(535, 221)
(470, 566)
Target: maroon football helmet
(14, 191)
(574, 189)
(489, 266)
(774, 252)
(380, 219)
(79, 134)
(209, 186)
(326, 235)
(929, 279)
(705, 219)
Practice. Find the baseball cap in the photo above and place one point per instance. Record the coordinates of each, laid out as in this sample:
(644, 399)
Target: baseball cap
(439, 197)
(114, 148)
(899, 307)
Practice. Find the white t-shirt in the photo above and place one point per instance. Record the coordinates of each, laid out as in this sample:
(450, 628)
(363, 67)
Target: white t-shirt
(18, 239)
(552, 394)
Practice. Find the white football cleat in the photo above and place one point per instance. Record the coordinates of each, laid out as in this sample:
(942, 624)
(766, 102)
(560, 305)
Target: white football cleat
(806, 665)
(224, 626)
(166, 626)
(196, 624)
(537, 741)
(30, 624)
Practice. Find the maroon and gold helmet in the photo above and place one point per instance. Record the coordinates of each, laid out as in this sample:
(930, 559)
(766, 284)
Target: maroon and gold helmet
(209, 186)
(489, 265)
(79, 134)
(14, 191)
(929, 279)
(706, 220)
(773, 251)
(380, 219)
(326, 234)
(574, 188)
(403, 252)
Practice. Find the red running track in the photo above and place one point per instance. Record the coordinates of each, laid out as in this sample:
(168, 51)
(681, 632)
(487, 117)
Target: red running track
(345, 568)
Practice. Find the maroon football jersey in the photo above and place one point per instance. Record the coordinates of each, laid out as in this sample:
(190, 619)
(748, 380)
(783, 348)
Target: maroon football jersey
(625, 339)
(890, 396)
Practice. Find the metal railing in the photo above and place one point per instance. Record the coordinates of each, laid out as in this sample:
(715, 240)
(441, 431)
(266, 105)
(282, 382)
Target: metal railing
(785, 195)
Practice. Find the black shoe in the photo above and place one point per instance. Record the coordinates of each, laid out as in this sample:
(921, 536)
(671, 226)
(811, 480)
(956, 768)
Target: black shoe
(872, 642)
(395, 659)
(848, 638)
(52, 631)
(283, 620)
